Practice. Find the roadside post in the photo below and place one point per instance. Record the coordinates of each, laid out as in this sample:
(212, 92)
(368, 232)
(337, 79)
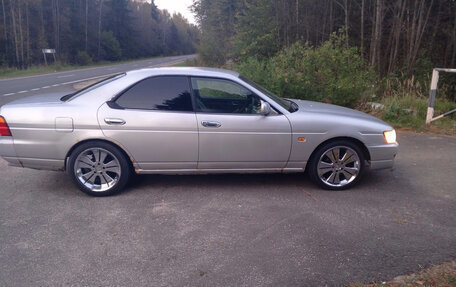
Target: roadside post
(48, 51)
(433, 93)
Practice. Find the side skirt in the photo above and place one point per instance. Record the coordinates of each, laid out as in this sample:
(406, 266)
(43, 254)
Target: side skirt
(212, 171)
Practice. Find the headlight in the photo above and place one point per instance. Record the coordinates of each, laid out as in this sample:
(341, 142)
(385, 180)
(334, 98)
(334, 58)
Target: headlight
(390, 136)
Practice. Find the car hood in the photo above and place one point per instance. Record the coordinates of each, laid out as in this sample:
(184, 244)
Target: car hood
(321, 108)
(52, 98)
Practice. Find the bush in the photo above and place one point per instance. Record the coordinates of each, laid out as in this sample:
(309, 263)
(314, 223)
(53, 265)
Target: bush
(82, 58)
(331, 73)
(110, 47)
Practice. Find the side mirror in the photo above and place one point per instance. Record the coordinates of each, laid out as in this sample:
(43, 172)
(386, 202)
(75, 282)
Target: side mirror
(265, 108)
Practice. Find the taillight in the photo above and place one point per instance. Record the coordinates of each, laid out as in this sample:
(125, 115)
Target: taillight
(4, 129)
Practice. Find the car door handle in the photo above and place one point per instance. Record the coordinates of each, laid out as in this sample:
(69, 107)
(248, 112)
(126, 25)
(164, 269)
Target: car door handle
(113, 121)
(209, 124)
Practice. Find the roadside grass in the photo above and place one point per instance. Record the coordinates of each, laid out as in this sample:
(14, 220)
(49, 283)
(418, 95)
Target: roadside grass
(36, 70)
(409, 113)
(57, 67)
(195, 62)
(443, 275)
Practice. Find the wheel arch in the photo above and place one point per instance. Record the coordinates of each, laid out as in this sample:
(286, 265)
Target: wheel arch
(355, 141)
(129, 158)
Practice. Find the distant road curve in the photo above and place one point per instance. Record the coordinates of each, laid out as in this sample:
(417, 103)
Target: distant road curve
(22, 86)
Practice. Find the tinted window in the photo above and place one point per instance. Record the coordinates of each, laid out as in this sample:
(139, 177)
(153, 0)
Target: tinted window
(223, 96)
(158, 93)
(287, 104)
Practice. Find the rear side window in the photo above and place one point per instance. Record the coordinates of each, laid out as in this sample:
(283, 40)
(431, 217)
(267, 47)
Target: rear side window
(167, 93)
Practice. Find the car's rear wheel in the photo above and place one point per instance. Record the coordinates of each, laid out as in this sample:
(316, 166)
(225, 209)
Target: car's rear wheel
(99, 168)
(337, 165)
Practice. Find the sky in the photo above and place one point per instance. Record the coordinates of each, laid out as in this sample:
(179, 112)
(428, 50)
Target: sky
(177, 6)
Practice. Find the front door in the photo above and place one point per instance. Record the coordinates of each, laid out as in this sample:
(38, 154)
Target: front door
(232, 132)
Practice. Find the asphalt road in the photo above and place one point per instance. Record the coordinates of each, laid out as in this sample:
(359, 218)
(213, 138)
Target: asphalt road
(232, 230)
(14, 88)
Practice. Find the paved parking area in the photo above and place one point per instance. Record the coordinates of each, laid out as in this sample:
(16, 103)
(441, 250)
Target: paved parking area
(227, 230)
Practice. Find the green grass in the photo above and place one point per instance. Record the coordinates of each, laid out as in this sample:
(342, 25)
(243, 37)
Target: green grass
(189, 63)
(409, 112)
(35, 70)
(58, 67)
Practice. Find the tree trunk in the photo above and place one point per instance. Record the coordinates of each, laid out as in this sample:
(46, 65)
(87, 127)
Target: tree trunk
(99, 29)
(5, 28)
(56, 19)
(344, 7)
(42, 37)
(421, 25)
(375, 47)
(346, 11)
(21, 34)
(28, 32)
(362, 27)
(453, 57)
(13, 20)
(331, 17)
(86, 23)
(297, 20)
(396, 34)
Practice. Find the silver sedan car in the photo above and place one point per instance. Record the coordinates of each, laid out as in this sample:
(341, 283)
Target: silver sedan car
(189, 121)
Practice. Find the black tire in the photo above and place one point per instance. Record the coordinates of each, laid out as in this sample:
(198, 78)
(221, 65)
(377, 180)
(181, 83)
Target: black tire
(99, 168)
(332, 170)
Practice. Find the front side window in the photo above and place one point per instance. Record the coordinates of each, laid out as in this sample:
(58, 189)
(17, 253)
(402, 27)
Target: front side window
(167, 93)
(224, 96)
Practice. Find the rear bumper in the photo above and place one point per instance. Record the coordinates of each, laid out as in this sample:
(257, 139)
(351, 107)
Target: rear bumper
(383, 156)
(7, 151)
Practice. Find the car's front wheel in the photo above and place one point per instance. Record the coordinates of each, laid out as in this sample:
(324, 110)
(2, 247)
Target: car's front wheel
(337, 165)
(99, 168)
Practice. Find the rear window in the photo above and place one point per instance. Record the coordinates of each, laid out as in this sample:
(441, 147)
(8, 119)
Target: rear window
(166, 93)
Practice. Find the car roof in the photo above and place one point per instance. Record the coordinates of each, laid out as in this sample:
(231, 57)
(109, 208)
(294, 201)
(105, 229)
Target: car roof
(189, 71)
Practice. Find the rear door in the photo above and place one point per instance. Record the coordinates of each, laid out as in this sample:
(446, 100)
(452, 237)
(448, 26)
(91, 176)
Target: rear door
(232, 132)
(155, 122)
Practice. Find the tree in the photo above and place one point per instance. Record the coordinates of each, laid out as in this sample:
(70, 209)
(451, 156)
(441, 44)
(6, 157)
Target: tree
(390, 33)
(110, 47)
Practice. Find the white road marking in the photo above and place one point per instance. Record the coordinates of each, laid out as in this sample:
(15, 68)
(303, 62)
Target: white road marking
(88, 79)
(65, 76)
(82, 80)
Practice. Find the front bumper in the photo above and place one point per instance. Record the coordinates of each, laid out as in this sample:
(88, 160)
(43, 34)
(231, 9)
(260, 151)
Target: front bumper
(383, 156)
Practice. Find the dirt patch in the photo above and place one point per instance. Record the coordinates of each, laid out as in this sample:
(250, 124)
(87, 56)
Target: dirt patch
(443, 275)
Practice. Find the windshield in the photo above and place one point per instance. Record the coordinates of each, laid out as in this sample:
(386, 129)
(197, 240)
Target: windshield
(91, 87)
(284, 103)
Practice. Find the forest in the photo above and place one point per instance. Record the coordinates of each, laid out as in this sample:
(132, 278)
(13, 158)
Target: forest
(86, 31)
(346, 52)
(390, 34)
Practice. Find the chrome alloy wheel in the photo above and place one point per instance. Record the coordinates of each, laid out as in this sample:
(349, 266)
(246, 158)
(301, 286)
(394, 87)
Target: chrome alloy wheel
(97, 169)
(338, 166)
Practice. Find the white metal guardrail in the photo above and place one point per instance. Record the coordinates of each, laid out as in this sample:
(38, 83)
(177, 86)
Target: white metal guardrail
(432, 94)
